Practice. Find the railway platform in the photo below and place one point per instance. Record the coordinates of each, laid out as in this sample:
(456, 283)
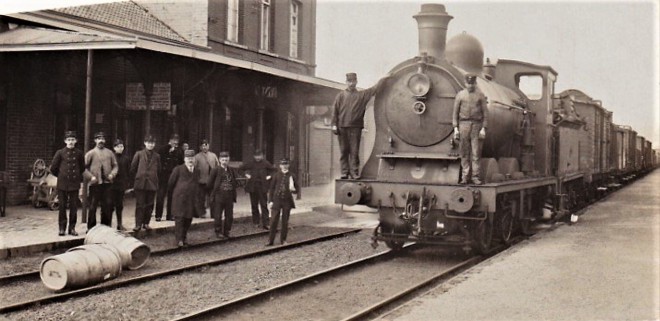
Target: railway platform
(25, 229)
(605, 267)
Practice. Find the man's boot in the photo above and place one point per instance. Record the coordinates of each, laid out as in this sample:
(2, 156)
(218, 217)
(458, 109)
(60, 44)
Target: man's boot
(120, 227)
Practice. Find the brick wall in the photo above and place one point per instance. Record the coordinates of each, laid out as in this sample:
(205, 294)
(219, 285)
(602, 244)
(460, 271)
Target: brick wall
(188, 18)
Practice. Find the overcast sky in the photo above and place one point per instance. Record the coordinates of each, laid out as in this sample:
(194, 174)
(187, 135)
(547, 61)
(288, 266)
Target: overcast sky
(609, 50)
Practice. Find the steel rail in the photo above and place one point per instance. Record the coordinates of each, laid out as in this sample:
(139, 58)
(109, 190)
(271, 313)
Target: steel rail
(34, 274)
(147, 277)
(213, 310)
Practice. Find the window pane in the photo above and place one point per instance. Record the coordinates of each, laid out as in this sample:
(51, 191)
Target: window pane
(531, 86)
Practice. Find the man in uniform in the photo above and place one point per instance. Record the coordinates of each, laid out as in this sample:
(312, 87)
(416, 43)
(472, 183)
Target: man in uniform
(347, 122)
(68, 166)
(470, 120)
(170, 157)
(101, 169)
(145, 167)
(222, 183)
(258, 173)
(282, 186)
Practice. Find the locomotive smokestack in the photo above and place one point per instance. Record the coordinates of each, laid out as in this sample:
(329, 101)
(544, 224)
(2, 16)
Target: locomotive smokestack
(432, 22)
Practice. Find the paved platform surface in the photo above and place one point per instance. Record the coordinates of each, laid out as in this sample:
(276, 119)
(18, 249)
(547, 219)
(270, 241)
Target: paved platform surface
(605, 267)
(26, 229)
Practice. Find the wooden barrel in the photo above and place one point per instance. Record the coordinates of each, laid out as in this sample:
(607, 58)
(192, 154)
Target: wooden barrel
(134, 254)
(80, 266)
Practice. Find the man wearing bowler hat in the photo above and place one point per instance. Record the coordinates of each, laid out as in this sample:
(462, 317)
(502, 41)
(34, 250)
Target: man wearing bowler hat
(223, 184)
(347, 122)
(101, 169)
(68, 166)
(145, 167)
(183, 185)
(470, 120)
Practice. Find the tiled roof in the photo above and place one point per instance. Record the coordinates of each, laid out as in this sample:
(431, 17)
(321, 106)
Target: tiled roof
(127, 15)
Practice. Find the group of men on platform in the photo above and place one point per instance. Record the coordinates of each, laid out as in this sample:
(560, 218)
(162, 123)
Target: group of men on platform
(190, 183)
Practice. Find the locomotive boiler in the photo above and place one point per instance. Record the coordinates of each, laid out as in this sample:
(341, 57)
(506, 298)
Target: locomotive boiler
(413, 172)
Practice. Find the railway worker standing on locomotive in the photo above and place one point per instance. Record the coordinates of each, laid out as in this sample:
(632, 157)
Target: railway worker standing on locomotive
(68, 166)
(283, 184)
(347, 122)
(258, 173)
(101, 169)
(145, 167)
(223, 184)
(470, 120)
(121, 183)
(170, 156)
(206, 160)
(183, 185)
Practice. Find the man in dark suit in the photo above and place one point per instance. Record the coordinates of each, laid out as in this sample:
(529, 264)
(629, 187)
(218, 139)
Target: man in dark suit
(280, 200)
(68, 166)
(145, 167)
(183, 185)
(223, 183)
(121, 182)
(258, 173)
(170, 156)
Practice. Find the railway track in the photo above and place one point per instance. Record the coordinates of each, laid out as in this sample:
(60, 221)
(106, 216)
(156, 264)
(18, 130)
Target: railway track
(123, 282)
(34, 274)
(388, 276)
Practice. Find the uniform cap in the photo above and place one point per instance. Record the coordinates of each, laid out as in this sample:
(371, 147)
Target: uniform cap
(174, 137)
(471, 78)
(284, 161)
(99, 135)
(223, 154)
(149, 139)
(204, 142)
(258, 152)
(351, 76)
(189, 153)
(118, 142)
(69, 133)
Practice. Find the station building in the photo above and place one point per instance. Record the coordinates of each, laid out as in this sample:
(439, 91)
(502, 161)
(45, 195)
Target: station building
(237, 73)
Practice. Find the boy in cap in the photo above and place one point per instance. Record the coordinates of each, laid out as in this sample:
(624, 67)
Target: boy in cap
(145, 167)
(470, 120)
(280, 197)
(183, 185)
(258, 174)
(121, 182)
(101, 169)
(206, 160)
(68, 166)
(348, 120)
(223, 184)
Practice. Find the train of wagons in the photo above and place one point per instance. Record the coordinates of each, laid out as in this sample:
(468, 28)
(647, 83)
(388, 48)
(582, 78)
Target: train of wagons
(544, 156)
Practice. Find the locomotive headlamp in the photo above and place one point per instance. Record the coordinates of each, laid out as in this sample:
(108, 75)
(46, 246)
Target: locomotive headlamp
(419, 84)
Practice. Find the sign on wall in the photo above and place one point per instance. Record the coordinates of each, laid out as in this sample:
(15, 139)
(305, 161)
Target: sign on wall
(160, 98)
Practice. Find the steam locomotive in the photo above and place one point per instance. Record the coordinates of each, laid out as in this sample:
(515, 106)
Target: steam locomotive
(544, 155)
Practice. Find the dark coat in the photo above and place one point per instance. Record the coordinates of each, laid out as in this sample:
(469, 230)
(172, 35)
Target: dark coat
(168, 161)
(185, 189)
(278, 181)
(258, 172)
(215, 182)
(122, 181)
(145, 170)
(68, 166)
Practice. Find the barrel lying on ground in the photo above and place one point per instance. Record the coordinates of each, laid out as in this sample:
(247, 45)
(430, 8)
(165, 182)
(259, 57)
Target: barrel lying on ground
(81, 266)
(134, 254)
